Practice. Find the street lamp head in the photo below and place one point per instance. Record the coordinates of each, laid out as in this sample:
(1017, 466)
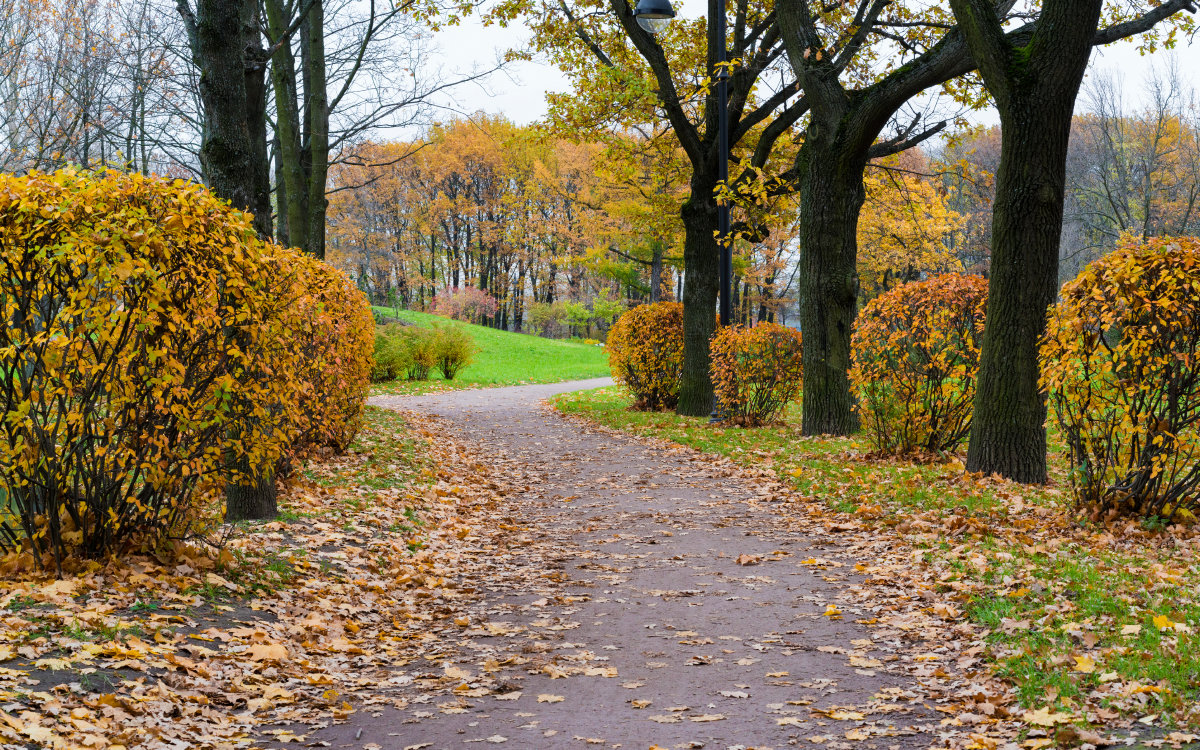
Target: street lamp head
(654, 15)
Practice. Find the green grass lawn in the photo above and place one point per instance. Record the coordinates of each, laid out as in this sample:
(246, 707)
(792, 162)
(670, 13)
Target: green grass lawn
(1095, 621)
(504, 358)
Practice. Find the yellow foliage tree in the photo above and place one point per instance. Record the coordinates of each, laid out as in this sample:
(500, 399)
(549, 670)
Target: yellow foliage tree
(905, 229)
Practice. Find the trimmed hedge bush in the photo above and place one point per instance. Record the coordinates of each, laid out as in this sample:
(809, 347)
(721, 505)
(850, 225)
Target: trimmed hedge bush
(414, 352)
(756, 372)
(645, 352)
(153, 342)
(915, 356)
(1120, 366)
(391, 353)
(455, 350)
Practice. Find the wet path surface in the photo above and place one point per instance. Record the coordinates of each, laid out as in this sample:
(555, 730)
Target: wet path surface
(645, 599)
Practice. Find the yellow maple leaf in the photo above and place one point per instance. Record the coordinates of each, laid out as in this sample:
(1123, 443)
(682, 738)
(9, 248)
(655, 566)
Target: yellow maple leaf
(1162, 622)
(1085, 664)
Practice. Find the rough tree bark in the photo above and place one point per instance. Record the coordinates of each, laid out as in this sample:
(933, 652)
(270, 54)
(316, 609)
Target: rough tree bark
(841, 137)
(701, 257)
(224, 39)
(1034, 86)
(831, 197)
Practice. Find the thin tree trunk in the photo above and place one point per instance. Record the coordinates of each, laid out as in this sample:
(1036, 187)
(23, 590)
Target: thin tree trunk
(290, 187)
(656, 269)
(255, 63)
(316, 107)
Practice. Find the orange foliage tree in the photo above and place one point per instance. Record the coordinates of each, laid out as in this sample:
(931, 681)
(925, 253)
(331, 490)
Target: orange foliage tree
(1119, 363)
(915, 357)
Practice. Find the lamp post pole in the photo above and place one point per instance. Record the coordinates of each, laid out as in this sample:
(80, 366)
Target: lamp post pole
(716, 19)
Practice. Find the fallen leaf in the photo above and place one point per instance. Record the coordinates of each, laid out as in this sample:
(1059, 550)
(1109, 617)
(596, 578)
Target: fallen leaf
(267, 652)
(1043, 717)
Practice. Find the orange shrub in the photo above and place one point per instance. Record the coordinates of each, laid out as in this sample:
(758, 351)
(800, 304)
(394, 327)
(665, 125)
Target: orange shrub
(915, 356)
(1120, 367)
(645, 352)
(756, 371)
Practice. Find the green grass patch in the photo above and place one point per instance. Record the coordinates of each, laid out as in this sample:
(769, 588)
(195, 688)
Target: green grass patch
(504, 358)
(1079, 617)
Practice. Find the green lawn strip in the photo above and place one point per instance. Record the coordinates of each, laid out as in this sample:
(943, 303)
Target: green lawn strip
(504, 358)
(1070, 608)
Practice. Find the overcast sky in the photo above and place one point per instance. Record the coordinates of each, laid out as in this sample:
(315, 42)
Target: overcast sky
(520, 95)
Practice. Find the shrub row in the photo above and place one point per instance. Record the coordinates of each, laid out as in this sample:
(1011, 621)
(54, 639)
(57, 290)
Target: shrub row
(155, 351)
(412, 352)
(756, 370)
(1120, 368)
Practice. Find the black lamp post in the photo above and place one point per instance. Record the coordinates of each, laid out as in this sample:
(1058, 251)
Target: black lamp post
(653, 16)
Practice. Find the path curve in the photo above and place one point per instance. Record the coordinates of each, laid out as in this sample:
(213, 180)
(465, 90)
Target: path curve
(634, 572)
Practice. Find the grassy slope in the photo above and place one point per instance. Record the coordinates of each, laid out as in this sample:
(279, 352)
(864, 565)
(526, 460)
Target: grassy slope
(1051, 590)
(505, 358)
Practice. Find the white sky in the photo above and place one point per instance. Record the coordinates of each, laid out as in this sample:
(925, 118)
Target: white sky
(520, 94)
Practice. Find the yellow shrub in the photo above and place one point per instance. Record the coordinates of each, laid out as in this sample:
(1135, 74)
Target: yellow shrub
(756, 371)
(1119, 364)
(138, 315)
(915, 356)
(335, 338)
(156, 349)
(645, 352)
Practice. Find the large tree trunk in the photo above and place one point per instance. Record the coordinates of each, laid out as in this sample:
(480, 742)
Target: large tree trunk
(831, 197)
(1035, 89)
(1008, 433)
(227, 154)
(701, 258)
(252, 498)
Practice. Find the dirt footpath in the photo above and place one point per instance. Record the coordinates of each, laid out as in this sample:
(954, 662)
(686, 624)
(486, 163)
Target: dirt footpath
(646, 599)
